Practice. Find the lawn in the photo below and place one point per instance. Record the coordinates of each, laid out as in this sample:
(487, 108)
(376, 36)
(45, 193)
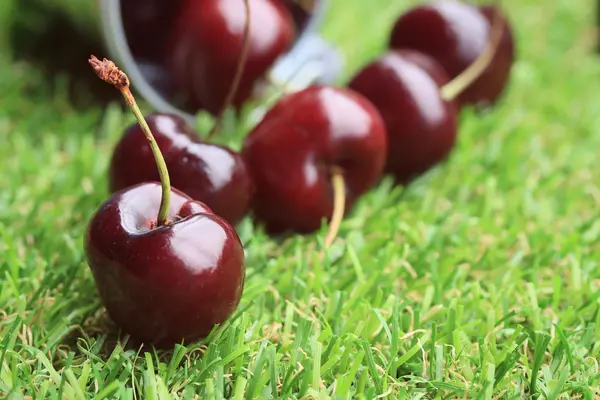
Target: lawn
(481, 280)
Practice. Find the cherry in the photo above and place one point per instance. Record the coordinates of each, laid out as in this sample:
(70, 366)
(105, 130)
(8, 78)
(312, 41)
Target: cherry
(300, 12)
(455, 34)
(314, 147)
(405, 85)
(417, 101)
(207, 46)
(164, 284)
(212, 174)
(164, 279)
(145, 23)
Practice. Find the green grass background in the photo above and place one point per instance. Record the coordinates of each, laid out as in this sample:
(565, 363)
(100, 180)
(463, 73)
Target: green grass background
(479, 281)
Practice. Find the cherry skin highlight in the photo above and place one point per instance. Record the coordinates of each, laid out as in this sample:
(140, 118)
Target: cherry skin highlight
(169, 284)
(300, 141)
(405, 86)
(212, 174)
(455, 34)
(207, 45)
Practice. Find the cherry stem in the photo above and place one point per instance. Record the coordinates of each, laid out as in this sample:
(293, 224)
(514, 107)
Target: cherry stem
(458, 85)
(339, 205)
(238, 73)
(108, 72)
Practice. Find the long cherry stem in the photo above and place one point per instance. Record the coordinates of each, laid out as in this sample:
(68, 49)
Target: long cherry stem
(238, 73)
(339, 205)
(108, 72)
(458, 85)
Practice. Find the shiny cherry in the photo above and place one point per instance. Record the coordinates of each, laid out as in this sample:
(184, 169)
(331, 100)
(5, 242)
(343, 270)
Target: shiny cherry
(207, 45)
(168, 284)
(302, 139)
(405, 86)
(455, 34)
(212, 174)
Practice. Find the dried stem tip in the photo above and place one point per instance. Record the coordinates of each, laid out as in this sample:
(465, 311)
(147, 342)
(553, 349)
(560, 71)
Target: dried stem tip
(109, 73)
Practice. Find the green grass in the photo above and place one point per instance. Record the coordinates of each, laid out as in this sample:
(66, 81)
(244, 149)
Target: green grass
(480, 281)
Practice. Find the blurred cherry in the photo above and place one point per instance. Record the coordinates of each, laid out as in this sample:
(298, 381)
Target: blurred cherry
(145, 23)
(405, 86)
(207, 43)
(455, 34)
(418, 103)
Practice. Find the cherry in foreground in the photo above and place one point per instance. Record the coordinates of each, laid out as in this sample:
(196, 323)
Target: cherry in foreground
(170, 283)
(455, 34)
(208, 43)
(312, 149)
(212, 174)
(167, 269)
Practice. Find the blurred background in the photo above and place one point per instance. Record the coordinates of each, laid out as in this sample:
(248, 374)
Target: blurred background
(56, 37)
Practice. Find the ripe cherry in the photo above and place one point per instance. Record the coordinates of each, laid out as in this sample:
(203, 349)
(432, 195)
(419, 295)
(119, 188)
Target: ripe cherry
(300, 12)
(207, 46)
(417, 102)
(168, 278)
(313, 148)
(165, 284)
(405, 85)
(145, 23)
(455, 34)
(210, 173)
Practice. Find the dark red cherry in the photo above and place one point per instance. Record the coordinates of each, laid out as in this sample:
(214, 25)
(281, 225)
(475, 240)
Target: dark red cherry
(168, 284)
(405, 86)
(207, 45)
(209, 173)
(145, 23)
(300, 10)
(293, 151)
(455, 34)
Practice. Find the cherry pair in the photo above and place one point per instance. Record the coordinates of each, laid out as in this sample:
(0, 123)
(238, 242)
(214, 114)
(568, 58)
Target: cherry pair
(170, 270)
(167, 268)
(411, 84)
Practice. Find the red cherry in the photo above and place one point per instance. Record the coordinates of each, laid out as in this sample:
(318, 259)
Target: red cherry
(301, 141)
(209, 173)
(455, 34)
(300, 13)
(405, 86)
(208, 41)
(168, 284)
(145, 23)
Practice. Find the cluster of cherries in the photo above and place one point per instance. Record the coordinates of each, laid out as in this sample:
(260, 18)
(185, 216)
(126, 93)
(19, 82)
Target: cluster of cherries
(172, 278)
(194, 46)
